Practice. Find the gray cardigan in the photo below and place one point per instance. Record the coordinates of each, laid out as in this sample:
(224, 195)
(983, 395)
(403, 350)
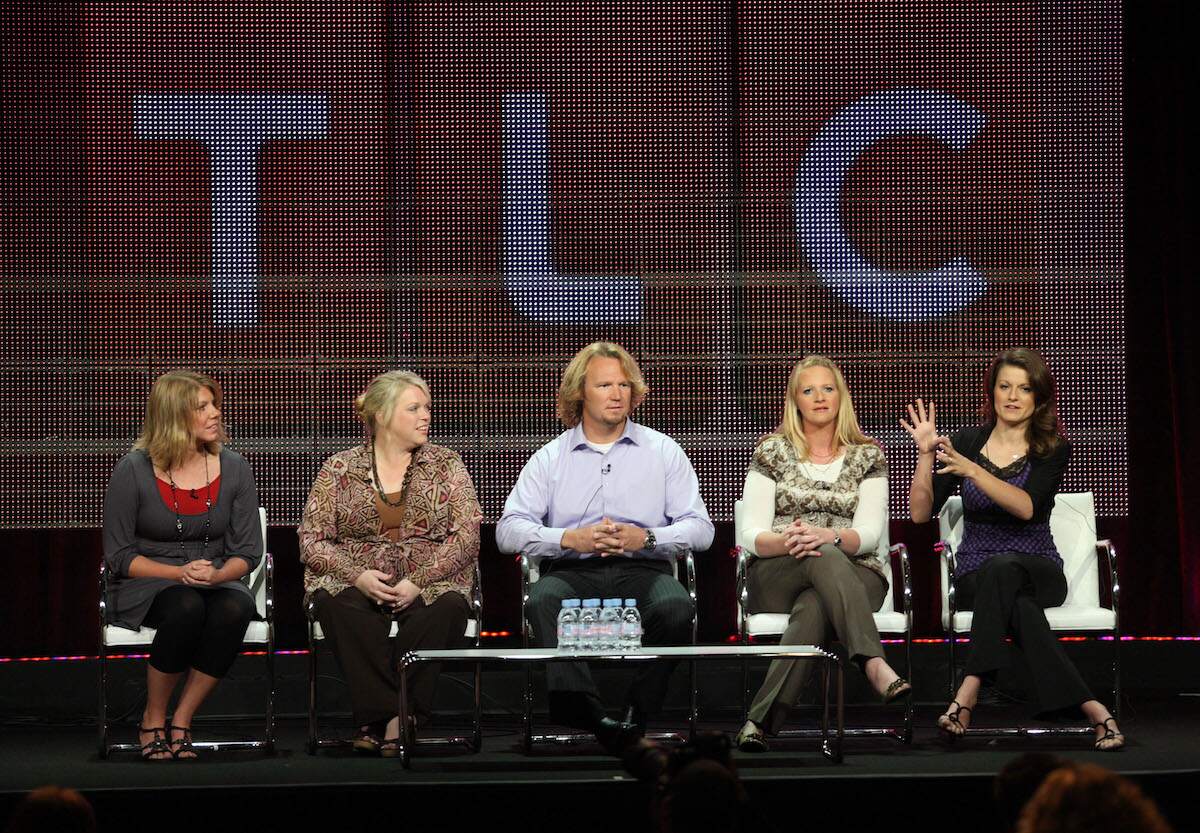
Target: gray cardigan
(138, 522)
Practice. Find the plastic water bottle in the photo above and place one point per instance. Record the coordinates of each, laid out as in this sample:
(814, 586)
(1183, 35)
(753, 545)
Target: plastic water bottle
(610, 626)
(631, 626)
(568, 626)
(589, 621)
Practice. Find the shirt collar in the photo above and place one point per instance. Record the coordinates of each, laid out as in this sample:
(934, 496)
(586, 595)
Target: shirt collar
(631, 435)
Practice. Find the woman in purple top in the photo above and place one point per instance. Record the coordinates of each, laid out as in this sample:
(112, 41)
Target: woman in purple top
(1008, 570)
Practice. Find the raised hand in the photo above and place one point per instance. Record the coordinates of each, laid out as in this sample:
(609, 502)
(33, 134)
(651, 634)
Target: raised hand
(923, 427)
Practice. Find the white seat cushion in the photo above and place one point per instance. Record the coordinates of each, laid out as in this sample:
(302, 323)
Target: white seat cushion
(118, 637)
(1066, 618)
(773, 624)
(115, 636)
(471, 633)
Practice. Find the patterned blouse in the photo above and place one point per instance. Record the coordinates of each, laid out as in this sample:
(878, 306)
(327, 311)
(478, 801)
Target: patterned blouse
(814, 501)
(342, 534)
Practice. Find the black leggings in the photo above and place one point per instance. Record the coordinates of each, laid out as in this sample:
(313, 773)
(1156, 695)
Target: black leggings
(1008, 595)
(198, 628)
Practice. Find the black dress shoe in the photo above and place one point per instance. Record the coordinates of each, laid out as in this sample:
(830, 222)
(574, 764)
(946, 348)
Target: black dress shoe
(636, 717)
(616, 736)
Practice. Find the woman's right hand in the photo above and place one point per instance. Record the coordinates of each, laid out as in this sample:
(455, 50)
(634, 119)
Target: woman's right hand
(374, 585)
(923, 428)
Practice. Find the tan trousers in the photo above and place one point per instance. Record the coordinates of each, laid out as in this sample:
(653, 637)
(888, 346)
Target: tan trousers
(829, 597)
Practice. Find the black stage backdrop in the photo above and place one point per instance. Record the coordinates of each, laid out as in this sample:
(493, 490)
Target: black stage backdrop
(51, 606)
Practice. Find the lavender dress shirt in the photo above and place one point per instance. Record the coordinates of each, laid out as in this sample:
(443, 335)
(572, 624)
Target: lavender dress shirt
(644, 479)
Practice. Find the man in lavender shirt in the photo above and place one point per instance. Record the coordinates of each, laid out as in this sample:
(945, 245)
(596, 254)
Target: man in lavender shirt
(606, 507)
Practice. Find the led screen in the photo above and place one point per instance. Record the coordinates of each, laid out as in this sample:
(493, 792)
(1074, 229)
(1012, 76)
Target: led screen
(294, 197)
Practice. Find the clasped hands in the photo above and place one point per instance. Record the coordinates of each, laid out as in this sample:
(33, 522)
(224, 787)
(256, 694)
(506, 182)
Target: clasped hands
(198, 573)
(804, 540)
(605, 538)
(374, 584)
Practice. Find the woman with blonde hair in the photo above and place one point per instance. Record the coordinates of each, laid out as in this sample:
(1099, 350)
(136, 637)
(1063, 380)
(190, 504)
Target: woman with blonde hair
(181, 530)
(390, 533)
(815, 506)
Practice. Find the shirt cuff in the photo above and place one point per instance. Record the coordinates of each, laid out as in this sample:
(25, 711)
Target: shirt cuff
(552, 535)
(750, 538)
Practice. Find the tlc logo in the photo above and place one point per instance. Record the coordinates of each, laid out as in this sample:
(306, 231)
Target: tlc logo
(235, 128)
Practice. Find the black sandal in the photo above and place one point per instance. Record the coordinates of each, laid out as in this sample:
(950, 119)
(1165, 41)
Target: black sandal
(949, 724)
(751, 738)
(1108, 735)
(157, 745)
(183, 745)
(899, 688)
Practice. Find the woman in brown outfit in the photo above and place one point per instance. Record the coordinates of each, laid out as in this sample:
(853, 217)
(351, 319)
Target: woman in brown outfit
(390, 532)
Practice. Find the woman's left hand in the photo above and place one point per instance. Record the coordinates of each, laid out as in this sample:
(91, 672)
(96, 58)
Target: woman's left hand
(199, 573)
(408, 594)
(953, 462)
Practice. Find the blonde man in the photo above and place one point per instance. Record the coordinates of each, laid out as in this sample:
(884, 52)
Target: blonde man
(606, 506)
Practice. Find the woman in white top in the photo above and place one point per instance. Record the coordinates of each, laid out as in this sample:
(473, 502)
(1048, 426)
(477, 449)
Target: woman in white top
(815, 505)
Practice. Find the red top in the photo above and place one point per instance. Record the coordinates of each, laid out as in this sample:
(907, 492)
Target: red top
(189, 505)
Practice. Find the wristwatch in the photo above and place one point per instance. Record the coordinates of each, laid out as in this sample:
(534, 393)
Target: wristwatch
(837, 539)
(651, 541)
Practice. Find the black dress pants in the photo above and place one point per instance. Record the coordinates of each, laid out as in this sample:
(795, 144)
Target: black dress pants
(666, 610)
(358, 632)
(1008, 595)
(198, 627)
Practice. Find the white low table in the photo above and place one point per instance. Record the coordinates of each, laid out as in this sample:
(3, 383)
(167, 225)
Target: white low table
(831, 739)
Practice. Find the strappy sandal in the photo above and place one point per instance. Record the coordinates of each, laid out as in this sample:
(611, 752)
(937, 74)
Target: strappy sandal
(184, 749)
(1110, 734)
(390, 748)
(900, 687)
(751, 738)
(157, 746)
(950, 724)
(367, 743)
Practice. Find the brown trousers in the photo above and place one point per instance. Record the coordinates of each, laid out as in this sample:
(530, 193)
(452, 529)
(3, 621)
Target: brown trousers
(829, 597)
(357, 630)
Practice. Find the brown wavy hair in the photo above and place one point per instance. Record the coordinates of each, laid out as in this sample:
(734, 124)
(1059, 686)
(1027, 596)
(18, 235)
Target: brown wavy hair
(1085, 798)
(1045, 429)
(570, 389)
(167, 429)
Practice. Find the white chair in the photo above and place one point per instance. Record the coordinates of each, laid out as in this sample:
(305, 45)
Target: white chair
(473, 632)
(1073, 526)
(530, 574)
(260, 632)
(889, 619)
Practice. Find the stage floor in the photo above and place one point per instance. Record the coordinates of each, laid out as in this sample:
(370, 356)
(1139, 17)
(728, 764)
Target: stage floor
(922, 786)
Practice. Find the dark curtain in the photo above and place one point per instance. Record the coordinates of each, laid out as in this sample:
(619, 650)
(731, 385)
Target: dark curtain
(1161, 565)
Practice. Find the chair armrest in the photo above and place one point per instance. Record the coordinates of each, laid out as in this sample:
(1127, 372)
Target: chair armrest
(269, 594)
(1106, 554)
(477, 605)
(103, 597)
(741, 587)
(946, 551)
(689, 572)
(899, 553)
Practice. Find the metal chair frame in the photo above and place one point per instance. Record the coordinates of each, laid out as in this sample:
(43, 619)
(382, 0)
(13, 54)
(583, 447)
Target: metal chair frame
(143, 637)
(898, 554)
(529, 576)
(474, 631)
(1106, 555)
